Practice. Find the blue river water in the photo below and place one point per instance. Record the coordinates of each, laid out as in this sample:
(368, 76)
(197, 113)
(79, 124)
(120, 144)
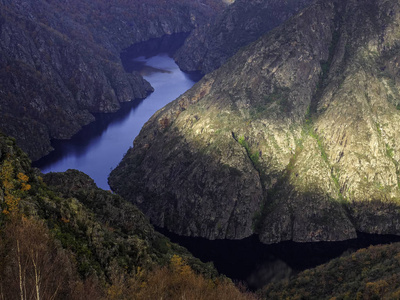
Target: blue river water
(100, 146)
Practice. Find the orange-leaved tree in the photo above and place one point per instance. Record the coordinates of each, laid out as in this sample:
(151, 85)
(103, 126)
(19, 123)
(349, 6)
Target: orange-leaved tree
(14, 186)
(175, 281)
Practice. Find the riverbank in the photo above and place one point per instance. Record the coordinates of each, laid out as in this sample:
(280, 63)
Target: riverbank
(100, 146)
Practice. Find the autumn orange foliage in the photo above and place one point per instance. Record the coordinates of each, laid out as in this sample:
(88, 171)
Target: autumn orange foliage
(12, 187)
(175, 281)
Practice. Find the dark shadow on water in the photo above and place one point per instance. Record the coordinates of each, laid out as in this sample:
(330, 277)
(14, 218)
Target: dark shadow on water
(80, 142)
(167, 44)
(257, 264)
(148, 70)
(194, 76)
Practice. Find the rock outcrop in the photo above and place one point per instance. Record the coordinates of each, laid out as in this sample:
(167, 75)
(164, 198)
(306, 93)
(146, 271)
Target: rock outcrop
(59, 60)
(294, 138)
(243, 22)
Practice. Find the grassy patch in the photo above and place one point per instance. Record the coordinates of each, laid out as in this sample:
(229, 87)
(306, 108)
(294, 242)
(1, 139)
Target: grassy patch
(308, 129)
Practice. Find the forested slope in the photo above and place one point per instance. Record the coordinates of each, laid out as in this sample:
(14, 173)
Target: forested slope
(59, 60)
(61, 237)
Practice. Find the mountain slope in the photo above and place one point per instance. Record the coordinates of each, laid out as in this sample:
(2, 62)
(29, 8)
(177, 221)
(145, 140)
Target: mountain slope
(243, 22)
(59, 60)
(294, 138)
(106, 234)
(371, 273)
(61, 237)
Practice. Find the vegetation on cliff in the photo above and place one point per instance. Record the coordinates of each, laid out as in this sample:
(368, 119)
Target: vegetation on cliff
(59, 60)
(67, 239)
(294, 138)
(209, 46)
(71, 240)
(371, 273)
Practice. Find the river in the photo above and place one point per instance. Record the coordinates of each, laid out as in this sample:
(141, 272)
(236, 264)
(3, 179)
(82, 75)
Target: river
(100, 146)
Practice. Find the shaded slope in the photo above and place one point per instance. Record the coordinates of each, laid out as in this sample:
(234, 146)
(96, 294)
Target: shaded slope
(243, 22)
(371, 273)
(294, 138)
(59, 61)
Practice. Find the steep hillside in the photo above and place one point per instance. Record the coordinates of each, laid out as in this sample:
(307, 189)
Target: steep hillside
(101, 228)
(294, 138)
(209, 46)
(59, 60)
(79, 227)
(371, 273)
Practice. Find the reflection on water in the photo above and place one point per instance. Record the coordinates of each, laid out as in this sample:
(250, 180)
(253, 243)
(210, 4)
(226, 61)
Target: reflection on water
(272, 270)
(140, 65)
(100, 146)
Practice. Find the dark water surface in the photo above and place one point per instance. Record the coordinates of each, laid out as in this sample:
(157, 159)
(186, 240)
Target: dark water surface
(100, 146)
(257, 264)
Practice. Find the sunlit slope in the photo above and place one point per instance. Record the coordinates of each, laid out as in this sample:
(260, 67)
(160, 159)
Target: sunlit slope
(294, 138)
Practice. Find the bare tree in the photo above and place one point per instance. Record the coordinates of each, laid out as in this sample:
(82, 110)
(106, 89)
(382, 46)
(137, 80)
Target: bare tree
(31, 258)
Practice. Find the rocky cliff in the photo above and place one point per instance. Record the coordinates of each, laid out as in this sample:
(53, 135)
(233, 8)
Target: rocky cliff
(294, 138)
(243, 22)
(59, 60)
